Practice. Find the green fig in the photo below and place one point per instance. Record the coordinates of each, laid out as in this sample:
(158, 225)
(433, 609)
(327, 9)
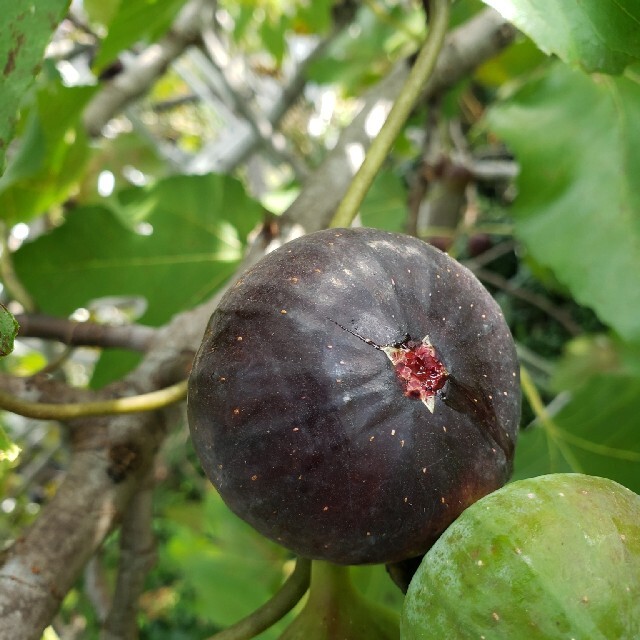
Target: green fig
(556, 556)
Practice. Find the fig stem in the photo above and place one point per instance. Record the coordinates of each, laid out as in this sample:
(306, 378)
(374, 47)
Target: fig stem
(335, 610)
(68, 411)
(402, 107)
(274, 609)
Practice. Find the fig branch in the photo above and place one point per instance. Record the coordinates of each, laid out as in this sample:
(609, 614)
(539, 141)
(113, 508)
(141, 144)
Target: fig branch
(131, 336)
(68, 411)
(402, 107)
(269, 613)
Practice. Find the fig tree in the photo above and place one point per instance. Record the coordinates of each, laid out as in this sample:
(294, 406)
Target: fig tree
(553, 557)
(355, 390)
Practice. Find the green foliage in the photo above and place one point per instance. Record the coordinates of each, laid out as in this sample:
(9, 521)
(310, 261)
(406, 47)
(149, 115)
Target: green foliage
(25, 30)
(576, 211)
(192, 236)
(385, 204)
(599, 36)
(51, 156)
(226, 570)
(130, 22)
(596, 431)
(8, 331)
(362, 54)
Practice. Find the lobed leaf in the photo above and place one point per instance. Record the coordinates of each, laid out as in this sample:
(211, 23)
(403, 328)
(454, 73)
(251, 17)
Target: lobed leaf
(25, 29)
(597, 35)
(191, 241)
(577, 139)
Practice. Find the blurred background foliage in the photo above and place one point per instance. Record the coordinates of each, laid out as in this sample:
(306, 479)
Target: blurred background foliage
(526, 171)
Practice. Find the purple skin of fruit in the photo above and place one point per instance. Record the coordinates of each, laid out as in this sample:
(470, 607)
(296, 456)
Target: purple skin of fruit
(305, 427)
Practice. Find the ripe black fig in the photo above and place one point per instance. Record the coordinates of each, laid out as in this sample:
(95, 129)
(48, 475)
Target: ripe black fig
(354, 392)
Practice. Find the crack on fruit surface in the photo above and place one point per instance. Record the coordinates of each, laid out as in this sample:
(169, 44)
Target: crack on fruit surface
(416, 365)
(419, 369)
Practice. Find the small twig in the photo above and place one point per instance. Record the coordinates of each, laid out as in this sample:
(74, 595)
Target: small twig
(130, 404)
(243, 103)
(563, 318)
(402, 107)
(273, 610)
(137, 556)
(136, 80)
(274, 114)
(173, 103)
(132, 336)
(488, 256)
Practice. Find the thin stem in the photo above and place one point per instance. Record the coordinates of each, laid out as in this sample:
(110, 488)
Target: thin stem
(130, 404)
(402, 107)
(276, 608)
(534, 299)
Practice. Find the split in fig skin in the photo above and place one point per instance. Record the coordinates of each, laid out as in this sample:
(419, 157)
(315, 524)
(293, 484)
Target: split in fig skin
(354, 392)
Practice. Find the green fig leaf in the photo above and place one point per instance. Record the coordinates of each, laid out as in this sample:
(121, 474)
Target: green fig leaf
(597, 35)
(8, 330)
(25, 29)
(576, 211)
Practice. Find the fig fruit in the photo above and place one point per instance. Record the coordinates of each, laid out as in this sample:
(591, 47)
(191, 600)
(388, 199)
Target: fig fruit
(355, 390)
(555, 556)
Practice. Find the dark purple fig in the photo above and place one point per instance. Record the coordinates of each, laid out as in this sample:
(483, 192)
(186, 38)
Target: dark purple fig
(354, 392)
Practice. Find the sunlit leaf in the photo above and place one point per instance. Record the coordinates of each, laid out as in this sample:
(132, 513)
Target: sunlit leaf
(385, 205)
(25, 29)
(135, 21)
(51, 154)
(599, 36)
(188, 244)
(9, 451)
(102, 11)
(577, 139)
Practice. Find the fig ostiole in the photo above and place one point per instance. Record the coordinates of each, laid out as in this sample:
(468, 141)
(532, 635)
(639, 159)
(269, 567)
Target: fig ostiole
(354, 392)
